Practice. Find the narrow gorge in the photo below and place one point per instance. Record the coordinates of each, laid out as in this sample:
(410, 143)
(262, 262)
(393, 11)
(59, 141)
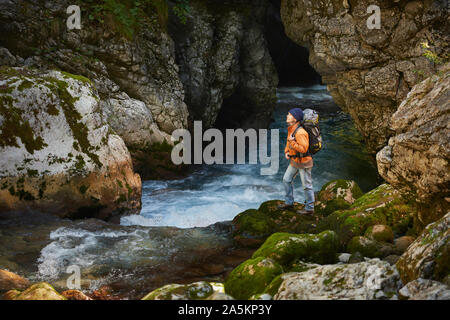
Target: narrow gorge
(86, 175)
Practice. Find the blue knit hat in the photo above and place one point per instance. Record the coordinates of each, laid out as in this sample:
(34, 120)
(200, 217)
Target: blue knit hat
(297, 113)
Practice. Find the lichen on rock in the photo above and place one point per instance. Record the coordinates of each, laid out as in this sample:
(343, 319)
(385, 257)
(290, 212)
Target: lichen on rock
(382, 205)
(74, 169)
(336, 195)
(428, 256)
(193, 291)
(373, 279)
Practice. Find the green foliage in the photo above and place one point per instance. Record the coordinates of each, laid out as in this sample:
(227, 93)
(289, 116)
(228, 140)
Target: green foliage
(430, 55)
(130, 15)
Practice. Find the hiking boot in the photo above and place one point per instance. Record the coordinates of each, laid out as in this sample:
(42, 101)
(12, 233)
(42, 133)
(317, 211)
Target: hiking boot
(285, 206)
(305, 212)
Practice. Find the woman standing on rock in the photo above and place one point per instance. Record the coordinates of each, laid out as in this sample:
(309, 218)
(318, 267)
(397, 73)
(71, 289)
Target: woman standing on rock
(300, 162)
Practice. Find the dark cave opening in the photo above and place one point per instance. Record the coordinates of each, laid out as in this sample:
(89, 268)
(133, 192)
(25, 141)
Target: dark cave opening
(291, 60)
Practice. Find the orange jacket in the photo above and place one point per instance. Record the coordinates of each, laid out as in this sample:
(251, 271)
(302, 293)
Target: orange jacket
(300, 144)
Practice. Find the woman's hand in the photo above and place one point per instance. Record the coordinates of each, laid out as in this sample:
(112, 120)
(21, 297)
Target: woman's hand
(291, 138)
(286, 155)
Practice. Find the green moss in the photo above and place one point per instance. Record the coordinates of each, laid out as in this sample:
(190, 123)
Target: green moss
(26, 84)
(331, 206)
(80, 163)
(32, 173)
(251, 277)
(77, 77)
(130, 190)
(382, 205)
(285, 248)
(73, 117)
(254, 226)
(273, 287)
(15, 126)
(52, 110)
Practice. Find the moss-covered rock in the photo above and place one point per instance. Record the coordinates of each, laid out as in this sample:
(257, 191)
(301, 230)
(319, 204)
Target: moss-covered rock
(382, 205)
(337, 195)
(57, 154)
(286, 248)
(380, 232)
(251, 277)
(40, 291)
(252, 226)
(194, 291)
(370, 248)
(428, 256)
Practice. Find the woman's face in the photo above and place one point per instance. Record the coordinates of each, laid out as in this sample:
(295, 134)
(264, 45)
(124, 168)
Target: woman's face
(290, 119)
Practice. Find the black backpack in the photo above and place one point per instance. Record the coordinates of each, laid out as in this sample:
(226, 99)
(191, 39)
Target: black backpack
(311, 125)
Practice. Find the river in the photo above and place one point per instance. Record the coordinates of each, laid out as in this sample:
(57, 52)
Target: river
(179, 235)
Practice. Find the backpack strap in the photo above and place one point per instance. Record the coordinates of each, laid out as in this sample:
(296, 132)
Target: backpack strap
(299, 154)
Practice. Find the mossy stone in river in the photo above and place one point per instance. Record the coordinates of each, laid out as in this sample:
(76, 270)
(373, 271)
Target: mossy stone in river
(194, 291)
(251, 277)
(285, 248)
(252, 226)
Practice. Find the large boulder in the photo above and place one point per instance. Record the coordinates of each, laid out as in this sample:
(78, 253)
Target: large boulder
(416, 159)
(252, 227)
(57, 154)
(336, 195)
(428, 256)
(251, 277)
(116, 53)
(286, 248)
(382, 205)
(373, 279)
(369, 71)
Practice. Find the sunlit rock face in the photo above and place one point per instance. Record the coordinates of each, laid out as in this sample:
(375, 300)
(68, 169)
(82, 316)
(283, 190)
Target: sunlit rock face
(369, 72)
(56, 153)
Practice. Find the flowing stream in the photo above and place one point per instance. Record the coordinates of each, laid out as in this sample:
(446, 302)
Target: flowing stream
(180, 235)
